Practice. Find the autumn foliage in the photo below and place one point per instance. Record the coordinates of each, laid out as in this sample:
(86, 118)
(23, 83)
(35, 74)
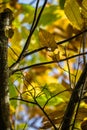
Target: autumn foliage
(46, 57)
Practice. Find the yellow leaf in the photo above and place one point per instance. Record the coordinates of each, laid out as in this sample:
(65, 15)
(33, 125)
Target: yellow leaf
(84, 12)
(84, 125)
(84, 4)
(47, 40)
(55, 57)
(72, 11)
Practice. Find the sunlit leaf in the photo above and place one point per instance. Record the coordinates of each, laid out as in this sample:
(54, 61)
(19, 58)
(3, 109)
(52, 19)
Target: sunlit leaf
(46, 86)
(59, 90)
(12, 89)
(42, 99)
(72, 11)
(25, 32)
(28, 13)
(13, 93)
(84, 12)
(84, 4)
(47, 40)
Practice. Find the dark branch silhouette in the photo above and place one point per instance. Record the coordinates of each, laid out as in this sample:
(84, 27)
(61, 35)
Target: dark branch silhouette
(46, 63)
(33, 27)
(73, 101)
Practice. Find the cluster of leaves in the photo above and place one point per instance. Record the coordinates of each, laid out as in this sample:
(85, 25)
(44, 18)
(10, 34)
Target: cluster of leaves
(42, 81)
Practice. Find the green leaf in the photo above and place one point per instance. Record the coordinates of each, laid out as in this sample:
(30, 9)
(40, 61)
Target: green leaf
(28, 12)
(58, 90)
(53, 94)
(13, 93)
(72, 11)
(49, 15)
(12, 90)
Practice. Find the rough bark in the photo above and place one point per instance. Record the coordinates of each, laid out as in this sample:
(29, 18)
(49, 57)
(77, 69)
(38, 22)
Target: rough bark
(4, 90)
(5, 29)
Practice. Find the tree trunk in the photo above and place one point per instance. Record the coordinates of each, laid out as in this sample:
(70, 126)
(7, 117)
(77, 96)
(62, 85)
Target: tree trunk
(4, 90)
(6, 18)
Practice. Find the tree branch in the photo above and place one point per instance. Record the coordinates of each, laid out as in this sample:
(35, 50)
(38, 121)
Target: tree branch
(45, 63)
(42, 48)
(73, 101)
(58, 43)
(36, 103)
(33, 27)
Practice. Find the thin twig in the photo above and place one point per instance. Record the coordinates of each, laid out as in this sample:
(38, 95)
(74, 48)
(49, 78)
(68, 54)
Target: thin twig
(46, 63)
(77, 66)
(13, 51)
(73, 101)
(55, 96)
(84, 46)
(32, 2)
(55, 128)
(81, 92)
(36, 103)
(69, 73)
(58, 43)
(71, 38)
(39, 49)
(23, 100)
(32, 31)
(35, 15)
(30, 35)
